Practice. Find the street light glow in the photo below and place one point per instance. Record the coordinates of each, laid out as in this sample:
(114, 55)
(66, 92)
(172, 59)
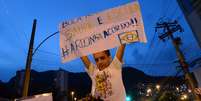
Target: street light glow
(157, 87)
(177, 88)
(149, 90)
(184, 97)
(72, 93)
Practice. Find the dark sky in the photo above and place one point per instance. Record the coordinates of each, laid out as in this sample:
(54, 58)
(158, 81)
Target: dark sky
(16, 17)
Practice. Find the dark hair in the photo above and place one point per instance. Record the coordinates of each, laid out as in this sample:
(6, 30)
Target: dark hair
(107, 52)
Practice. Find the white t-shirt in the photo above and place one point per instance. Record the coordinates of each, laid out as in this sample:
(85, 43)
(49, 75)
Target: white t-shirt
(107, 84)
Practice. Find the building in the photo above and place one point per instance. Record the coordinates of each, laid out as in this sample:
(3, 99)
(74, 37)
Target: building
(61, 84)
(192, 12)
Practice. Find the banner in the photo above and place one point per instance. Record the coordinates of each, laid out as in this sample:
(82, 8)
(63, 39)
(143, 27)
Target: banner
(101, 31)
(39, 97)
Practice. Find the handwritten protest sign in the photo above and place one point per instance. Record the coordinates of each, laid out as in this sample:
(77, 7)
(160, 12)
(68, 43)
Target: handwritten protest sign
(101, 31)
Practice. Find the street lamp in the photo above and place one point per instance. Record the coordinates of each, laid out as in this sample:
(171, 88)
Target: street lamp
(72, 94)
(75, 99)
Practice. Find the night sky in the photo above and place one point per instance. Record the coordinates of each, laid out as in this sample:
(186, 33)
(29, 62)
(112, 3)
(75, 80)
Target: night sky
(16, 17)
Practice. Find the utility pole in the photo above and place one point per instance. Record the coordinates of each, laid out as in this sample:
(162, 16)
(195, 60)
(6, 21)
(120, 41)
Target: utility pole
(28, 62)
(168, 30)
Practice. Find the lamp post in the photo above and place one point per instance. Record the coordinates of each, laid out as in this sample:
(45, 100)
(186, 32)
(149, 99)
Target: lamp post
(72, 95)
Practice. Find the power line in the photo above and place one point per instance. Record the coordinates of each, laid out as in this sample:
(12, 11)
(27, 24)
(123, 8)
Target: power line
(164, 11)
(169, 29)
(50, 53)
(43, 41)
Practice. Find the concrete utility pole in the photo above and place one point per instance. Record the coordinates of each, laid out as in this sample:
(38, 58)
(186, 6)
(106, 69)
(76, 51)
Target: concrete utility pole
(28, 62)
(168, 30)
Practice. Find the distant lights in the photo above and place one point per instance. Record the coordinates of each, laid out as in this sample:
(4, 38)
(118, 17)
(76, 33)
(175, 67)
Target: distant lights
(148, 90)
(72, 93)
(177, 88)
(128, 98)
(184, 97)
(157, 87)
(189, 91)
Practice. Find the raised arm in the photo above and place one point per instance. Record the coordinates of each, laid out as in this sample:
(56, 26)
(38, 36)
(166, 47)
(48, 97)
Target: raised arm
(120, 52)
(86, 61)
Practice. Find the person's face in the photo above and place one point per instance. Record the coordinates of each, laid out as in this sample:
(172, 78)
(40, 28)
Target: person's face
(102, 60)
